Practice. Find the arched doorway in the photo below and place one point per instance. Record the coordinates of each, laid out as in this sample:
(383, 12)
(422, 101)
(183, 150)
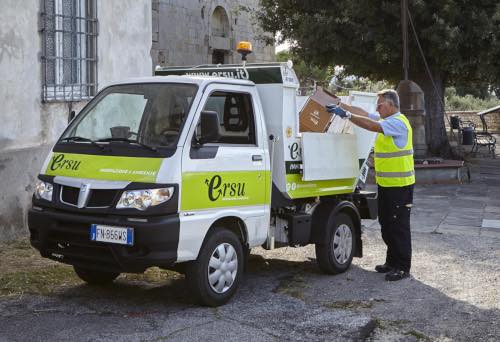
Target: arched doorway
(220, 31)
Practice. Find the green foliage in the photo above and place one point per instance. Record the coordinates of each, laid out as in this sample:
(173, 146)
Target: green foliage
(323, 76)
(453, 101)
(461, 39)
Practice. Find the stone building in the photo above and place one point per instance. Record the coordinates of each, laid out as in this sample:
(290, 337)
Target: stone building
(56, 54)
(194, 32)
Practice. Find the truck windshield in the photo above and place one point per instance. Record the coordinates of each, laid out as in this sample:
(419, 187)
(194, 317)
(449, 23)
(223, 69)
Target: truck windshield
(151, 115)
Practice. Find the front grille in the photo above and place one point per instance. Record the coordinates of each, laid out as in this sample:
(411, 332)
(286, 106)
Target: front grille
(102, 197)
(98, 198)
(69, 194)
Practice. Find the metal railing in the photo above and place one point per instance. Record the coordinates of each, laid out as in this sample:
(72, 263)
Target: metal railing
(69, 31)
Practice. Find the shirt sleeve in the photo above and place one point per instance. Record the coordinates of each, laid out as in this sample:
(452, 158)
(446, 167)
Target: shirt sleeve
(374, 116)
(397, 129)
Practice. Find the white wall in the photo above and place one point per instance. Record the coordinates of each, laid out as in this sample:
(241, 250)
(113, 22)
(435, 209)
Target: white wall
(124, 44)
(27, 126)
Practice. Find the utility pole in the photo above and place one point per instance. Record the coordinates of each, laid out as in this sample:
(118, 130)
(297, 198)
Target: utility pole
(411, 96)
(404, 35)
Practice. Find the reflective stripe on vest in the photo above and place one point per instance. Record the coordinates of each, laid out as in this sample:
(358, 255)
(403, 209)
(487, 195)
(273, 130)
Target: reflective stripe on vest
(393, 165)
(393, 154)
(395, 174)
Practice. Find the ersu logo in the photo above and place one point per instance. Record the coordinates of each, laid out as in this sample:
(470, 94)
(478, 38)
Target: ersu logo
(217, 189)
(60, 163)
(294, 151)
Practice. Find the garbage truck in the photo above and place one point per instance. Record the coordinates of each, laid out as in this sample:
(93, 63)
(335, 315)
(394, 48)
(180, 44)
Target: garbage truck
(190, 169)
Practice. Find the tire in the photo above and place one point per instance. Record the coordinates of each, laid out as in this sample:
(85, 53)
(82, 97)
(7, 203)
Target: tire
(214, 277)
(94, 277)
(335, 255)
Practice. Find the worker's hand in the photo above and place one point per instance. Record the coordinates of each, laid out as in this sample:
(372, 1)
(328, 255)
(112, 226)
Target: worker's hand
(334, 109)
(331, 106)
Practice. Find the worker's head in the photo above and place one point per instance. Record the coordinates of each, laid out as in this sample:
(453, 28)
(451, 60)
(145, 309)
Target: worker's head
(387, 102)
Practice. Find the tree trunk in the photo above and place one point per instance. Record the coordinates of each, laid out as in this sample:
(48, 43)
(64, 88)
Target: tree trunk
(435, 130)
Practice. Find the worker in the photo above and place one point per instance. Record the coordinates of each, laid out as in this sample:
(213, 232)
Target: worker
(394, 174)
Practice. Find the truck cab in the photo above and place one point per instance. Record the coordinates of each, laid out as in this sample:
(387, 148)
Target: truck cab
(189, 170)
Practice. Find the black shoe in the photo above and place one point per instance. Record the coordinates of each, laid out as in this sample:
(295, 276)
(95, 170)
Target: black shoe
(396, 275)
(383, 268)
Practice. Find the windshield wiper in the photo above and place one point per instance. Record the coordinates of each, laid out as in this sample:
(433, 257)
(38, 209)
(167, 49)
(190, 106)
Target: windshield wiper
(77, 138)
(130, 141)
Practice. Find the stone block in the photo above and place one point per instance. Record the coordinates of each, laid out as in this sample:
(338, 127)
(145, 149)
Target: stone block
(19, 169)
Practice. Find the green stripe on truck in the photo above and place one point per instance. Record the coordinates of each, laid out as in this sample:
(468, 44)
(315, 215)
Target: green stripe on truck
(297, 188)
(133, 169)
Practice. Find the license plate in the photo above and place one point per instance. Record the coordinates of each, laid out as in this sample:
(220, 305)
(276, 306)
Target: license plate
(120, 235)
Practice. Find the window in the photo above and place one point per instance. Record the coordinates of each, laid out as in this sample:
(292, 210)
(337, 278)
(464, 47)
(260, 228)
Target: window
(219, 57)
(119, 110)
(152, 114)
(69, 50)
(236, 117)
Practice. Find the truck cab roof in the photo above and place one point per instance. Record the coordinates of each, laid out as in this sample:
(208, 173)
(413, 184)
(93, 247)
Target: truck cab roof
(199, 80)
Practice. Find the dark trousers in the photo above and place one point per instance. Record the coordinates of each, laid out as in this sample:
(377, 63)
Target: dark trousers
(394, 207)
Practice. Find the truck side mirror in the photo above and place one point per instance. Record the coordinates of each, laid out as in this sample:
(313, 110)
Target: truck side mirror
(209, 127)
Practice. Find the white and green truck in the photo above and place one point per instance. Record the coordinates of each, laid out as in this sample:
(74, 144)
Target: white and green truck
(189, 170)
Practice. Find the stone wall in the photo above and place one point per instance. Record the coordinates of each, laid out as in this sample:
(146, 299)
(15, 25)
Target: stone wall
(492, 119)
(186, 32)
(29, 127)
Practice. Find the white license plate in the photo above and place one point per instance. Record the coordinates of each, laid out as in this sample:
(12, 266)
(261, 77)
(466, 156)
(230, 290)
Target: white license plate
(120, 235)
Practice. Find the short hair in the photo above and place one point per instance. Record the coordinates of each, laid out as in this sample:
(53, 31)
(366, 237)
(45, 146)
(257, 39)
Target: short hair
(390, 95)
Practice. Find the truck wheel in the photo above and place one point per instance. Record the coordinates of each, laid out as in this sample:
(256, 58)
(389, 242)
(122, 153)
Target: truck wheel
(215, 275)
(335, 254)
(95, 277)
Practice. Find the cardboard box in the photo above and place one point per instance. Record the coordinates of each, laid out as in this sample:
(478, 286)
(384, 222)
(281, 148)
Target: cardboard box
(313, 117)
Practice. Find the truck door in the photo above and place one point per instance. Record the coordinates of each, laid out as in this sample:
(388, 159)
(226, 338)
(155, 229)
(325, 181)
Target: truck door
(227, 177)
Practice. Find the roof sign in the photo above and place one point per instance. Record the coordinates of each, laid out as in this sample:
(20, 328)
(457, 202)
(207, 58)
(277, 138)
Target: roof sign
(258, 73)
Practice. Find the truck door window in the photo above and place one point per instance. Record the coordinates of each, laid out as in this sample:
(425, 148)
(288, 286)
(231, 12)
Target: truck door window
(236, 117)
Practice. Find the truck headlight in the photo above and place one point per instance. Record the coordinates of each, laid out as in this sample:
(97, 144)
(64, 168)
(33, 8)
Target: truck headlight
(143, 199)
(43, 190)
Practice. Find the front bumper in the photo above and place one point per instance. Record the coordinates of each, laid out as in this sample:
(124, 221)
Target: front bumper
(65, 237)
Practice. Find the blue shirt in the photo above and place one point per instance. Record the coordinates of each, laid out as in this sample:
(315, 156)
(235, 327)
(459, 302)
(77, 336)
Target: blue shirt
(393, 127)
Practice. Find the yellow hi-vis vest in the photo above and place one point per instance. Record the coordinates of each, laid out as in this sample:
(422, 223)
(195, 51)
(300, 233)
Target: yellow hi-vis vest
(394, 165)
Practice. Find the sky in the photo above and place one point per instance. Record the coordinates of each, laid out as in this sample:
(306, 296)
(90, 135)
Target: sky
(281, 47)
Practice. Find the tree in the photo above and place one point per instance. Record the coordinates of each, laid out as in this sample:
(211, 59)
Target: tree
(454, 101)
(460, 40)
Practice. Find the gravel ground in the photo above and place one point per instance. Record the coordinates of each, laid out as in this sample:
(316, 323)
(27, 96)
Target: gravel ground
(452, 295)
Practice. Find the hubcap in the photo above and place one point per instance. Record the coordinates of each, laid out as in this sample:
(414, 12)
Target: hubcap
(222, 268)
(342, 244)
